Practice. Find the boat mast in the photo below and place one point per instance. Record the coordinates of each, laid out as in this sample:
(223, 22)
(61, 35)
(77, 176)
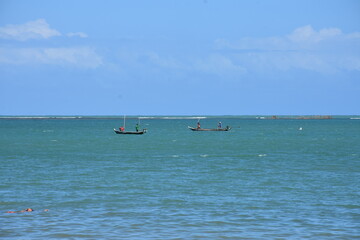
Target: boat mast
(124, 121)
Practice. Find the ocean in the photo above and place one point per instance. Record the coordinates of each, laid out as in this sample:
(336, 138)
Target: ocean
(264, 179)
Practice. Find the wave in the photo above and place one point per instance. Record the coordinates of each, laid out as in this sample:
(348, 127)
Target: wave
(172, 117)
(38, 117)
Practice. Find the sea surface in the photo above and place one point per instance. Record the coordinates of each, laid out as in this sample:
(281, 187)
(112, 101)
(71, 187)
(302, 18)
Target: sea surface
(264, 179)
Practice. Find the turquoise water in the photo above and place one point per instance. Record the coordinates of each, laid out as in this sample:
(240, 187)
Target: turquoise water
(265, 179)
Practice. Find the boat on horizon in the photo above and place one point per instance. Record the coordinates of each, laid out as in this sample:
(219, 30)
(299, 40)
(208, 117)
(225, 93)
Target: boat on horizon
(218, 129)
(130, 132)
(137, 132)
(210, 129)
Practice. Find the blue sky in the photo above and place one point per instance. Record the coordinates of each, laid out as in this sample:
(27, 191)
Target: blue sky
(198, 57)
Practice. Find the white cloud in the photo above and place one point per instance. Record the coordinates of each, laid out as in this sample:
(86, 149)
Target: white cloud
(38, 29)
(218, 64)
(83, 57)
(77, 34)
(308, 34)
(158, 60)
(80, 57)
(215, 64)
(327, 51)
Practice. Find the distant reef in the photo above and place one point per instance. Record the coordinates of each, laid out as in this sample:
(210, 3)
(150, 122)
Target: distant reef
(300, 117)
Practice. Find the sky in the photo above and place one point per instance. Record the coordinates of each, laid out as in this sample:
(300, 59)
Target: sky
(180, 57)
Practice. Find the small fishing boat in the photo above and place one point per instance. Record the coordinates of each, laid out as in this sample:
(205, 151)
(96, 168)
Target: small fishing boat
(210, 129)
(126, 132)
(137, 132)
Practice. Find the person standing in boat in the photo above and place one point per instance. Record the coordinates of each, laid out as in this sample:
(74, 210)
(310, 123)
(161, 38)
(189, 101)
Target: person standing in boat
(137, 127)
(219, 125)
(198, 125)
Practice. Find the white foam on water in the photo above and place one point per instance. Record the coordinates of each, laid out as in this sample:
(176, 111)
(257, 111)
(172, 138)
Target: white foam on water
(174, 117)
(44, 131)
(39, 117)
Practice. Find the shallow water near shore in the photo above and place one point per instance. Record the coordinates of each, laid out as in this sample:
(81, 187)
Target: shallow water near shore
(264, 179)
